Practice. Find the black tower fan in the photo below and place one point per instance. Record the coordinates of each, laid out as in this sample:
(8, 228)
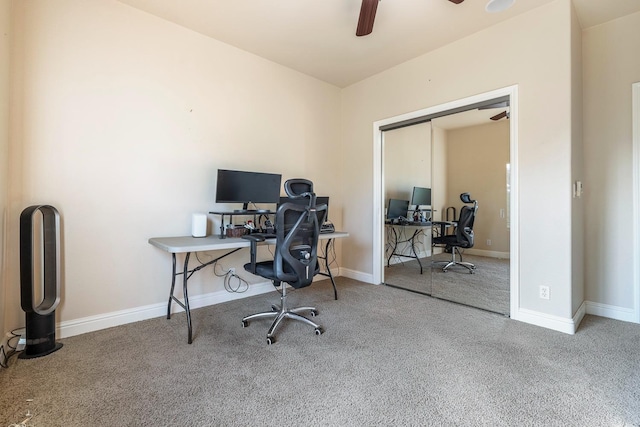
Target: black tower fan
(40, 303)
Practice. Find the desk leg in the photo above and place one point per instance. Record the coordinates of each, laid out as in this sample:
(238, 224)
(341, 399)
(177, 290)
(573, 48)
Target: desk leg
(185, 277)
(413, 248)
(326, 265)
(173, 285)
(172, 298)
(395, 246)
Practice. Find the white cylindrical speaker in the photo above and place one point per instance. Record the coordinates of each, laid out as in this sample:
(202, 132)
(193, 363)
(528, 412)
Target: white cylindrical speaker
(199, 225)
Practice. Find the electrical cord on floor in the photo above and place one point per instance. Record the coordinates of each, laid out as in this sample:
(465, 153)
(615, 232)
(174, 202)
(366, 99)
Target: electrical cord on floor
(13, 350)
(232, 282)
(240, 285)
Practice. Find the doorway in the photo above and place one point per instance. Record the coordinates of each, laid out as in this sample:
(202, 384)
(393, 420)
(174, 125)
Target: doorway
(381, 129)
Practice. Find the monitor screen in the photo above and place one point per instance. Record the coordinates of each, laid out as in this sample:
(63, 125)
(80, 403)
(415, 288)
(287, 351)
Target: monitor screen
(397, 208)
(320, 200)
(421, 196)
(247, 187)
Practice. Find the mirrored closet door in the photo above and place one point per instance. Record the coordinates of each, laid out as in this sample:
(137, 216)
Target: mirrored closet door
(471, 176)
(462, 153)
(407, 213)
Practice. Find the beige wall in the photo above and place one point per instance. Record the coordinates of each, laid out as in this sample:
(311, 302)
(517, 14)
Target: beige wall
(440, 173)
(577, 161)
(476, 163)
(532, 51)
(611, 66)
(120, 120)
(406, 160)
(5, 33)
(122, 123)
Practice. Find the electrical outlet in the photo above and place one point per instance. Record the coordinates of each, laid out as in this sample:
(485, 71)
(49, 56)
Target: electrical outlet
(232, 270)
(488, 242)
(544, 292)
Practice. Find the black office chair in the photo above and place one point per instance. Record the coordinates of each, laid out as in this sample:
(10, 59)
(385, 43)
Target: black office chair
(463, 236)
(296, 259)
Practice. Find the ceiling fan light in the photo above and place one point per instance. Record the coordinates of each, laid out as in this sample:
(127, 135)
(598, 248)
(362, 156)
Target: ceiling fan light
(495, 6)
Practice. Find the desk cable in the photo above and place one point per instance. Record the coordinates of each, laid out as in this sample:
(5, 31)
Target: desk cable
(232, 282)
(13, 350)
(330, 256)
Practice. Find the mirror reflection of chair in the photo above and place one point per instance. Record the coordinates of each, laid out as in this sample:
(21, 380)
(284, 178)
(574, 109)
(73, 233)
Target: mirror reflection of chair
(295, 260)
(463, 236)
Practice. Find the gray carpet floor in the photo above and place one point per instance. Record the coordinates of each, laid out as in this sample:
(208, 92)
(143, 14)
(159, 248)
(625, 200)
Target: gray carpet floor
(388, 358)
(487, 288)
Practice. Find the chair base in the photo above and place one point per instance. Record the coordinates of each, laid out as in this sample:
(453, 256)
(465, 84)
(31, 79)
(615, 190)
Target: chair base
(469, 266)
(280, 312)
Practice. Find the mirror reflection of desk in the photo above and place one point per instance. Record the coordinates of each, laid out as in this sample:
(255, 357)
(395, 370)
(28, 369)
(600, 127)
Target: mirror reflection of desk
(404, 239)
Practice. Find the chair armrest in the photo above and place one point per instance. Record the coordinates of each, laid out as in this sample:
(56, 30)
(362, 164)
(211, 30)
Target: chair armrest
(254, 239)
(442, 231)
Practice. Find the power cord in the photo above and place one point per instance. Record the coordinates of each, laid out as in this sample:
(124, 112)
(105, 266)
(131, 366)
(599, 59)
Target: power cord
(232, 282)
(13, 350)
(240, 285)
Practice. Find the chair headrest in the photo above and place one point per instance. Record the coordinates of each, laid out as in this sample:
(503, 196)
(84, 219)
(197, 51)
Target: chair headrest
(466, 198)
(298, 187)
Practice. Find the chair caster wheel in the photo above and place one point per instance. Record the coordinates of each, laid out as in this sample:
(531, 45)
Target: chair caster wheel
(270, 340)
(245, 323)
(318, 331)
(314, 313)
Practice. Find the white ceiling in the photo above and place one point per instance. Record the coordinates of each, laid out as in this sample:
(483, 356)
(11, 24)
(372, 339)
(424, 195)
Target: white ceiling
(317, 37)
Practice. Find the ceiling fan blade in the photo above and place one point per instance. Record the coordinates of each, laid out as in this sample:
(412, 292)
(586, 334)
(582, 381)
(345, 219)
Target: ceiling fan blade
(456, 1)
(367, 17)
(500, 116)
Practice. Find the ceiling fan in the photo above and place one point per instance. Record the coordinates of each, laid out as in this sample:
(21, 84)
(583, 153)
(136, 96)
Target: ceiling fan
(369, 7)
(504, 114)
(499, 104)
(368, 16)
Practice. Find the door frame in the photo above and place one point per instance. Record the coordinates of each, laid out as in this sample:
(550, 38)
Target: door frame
(378, 180)
(635, 112)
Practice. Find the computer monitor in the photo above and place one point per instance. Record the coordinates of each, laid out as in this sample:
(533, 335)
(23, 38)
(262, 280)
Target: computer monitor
(247, 187)
(320, 200)
(421, 197)
(397, 208)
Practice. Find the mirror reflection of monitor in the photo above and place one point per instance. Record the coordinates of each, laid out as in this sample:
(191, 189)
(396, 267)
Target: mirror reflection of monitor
(247, 187)
(397, 208)
(421, 197)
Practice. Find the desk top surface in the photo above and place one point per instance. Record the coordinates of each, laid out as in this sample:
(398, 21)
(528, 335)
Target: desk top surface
(410, 223)
(182, 244)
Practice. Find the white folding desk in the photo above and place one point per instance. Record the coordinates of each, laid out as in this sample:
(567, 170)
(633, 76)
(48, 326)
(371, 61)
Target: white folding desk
(188, 245)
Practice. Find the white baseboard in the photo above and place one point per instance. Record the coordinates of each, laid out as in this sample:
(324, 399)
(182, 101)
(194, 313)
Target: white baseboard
(84, 325)
(107, 320)
(611, 311)
(488, 254)
(357, 275)
(556, 323)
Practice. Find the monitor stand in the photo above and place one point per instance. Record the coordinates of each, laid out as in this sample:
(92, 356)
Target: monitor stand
(245, 209)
